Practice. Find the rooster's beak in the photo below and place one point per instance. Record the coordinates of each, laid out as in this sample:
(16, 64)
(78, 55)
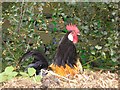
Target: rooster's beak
(78, 34)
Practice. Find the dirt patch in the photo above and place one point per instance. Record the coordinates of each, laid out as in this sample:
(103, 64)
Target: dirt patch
(88, 79)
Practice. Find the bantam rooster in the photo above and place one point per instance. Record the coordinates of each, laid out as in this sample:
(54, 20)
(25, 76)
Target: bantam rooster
(65, 60)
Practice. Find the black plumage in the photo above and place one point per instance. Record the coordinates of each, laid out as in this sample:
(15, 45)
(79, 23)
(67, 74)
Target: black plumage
(66, 52)
(39, 61)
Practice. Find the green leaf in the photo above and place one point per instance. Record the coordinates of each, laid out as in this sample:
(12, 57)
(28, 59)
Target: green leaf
(88, 66)
(65, 30)
(65, 19)
(83, 56)
(14, 74)
(98, 47)
(2, 77)
(8, 58)
(31, 71)
(55, 29)
(98, 24)
(112, 52)
(38, 78)
(55, 23)
(103, 53)
(114, 59)
(93, 52)
(9, 69)
(9, 77)
(24, 74)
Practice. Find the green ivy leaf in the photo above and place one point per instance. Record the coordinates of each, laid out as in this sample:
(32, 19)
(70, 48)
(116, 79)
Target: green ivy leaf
(103, 53)
(114, 59)
(93, 52)
(98, 47)
(31, 71)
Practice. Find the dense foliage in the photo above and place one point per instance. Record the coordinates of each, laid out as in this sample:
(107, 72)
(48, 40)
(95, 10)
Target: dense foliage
(41, 25)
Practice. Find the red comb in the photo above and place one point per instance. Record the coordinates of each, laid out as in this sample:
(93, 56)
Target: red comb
(72, 27)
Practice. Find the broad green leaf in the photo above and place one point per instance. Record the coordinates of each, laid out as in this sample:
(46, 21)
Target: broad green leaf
(9, 77)
(24, 74)
(14, 74)
(31, 71)
(38, 78)
(2, 79)
(9, 69)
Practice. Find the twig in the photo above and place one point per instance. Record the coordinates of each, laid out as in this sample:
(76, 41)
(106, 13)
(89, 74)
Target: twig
(21, 16)
(91, 61)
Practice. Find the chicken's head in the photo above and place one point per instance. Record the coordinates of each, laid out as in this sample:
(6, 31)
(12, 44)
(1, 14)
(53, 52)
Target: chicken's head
(74, 32)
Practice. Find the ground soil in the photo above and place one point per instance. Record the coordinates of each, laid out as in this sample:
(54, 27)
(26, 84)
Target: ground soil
(88, 79)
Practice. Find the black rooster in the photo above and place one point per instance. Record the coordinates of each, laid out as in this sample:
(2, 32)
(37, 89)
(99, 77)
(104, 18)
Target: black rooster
(65, 60)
